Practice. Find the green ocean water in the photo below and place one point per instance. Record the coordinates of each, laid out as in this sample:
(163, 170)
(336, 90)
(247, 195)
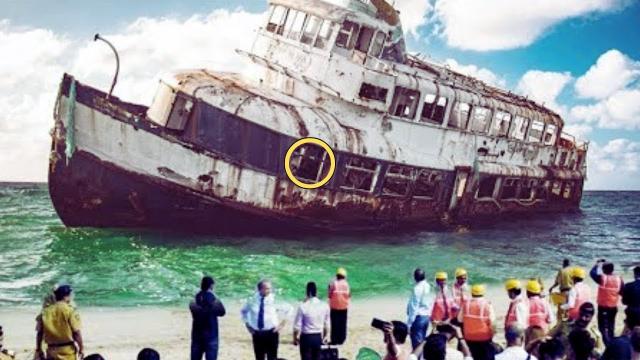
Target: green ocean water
(130, 268)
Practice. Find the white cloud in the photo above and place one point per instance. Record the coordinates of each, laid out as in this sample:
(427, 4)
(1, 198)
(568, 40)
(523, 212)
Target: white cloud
(507, 24)
(414, 14)
(544, 87)
(614, 166)
(29, 78)
(580, 131)
(620, 111)
(612, 72)
(483, 74)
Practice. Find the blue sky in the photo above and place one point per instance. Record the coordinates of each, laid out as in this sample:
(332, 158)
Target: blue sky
(541, 48)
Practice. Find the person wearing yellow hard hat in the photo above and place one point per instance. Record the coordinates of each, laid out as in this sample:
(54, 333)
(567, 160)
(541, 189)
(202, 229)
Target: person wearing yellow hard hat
(460, 291)
(518, 312)
(339, 296)
(443, 303)
(478, 324)
(540, 313)
(578, 295)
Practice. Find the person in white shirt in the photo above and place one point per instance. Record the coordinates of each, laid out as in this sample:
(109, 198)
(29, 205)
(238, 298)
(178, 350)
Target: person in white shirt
(419, 308)
(311, 327)
(515, 349)
(264, 319)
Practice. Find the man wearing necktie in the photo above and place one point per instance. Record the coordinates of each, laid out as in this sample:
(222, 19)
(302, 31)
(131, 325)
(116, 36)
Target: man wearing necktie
(260, 315)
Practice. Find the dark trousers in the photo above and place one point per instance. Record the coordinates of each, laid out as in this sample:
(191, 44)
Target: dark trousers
(265, 344)
(482, 350)
(418, 331)
(310, 346)
(607, 323)
(338, 326)
(208, 348)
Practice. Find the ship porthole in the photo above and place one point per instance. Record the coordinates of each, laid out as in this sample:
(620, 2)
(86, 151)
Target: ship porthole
(323, 175)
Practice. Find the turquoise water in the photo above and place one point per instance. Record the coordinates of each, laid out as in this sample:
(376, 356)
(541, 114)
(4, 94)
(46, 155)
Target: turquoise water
(128, 268)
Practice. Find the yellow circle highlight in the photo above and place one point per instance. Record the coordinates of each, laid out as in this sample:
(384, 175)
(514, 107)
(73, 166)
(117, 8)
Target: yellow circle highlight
(314, 141)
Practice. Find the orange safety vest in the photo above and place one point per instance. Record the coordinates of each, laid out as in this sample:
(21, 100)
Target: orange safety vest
(583, 294)
(538, 313)
(442, 307)
(609, 291)
(459, 298)
(511, 318)
(339, 294)
(476, 320)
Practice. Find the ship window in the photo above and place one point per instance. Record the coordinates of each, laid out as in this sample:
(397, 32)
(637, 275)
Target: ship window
(372, 92)
(360, 174)
(276, 23)
(509, 188)
(405, 103)
(579, 161)
(427, 182)
(310, 29)
(298, 24)
(397, 181)
(568, 190)
(378, 44)
(326, 30)
(526, 189)
(557, 188)
(563, 158)
(535, 134)
(550, 134)
(291, 18)
(519, 128)
(460, 115)
(364, 39)
(542, 190)
(180, 112)
(501, 126)
(487, 187)
(433, 111)
(309, 163)
(347, 35)
(480, 119)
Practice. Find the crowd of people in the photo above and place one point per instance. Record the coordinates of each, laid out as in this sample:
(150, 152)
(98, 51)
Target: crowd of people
(443, 322)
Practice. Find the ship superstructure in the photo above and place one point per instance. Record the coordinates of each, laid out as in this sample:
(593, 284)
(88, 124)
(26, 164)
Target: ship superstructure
(414, 143)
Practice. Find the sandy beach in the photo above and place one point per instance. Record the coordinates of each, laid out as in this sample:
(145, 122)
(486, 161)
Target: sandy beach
(118, 334)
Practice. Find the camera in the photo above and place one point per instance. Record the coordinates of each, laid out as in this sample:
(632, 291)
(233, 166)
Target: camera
(379, 324)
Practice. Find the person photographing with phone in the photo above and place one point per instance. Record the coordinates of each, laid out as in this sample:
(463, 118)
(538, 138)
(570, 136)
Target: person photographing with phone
(395, 338)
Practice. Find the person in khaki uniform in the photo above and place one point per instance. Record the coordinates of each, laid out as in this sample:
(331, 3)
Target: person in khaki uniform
(59, 327)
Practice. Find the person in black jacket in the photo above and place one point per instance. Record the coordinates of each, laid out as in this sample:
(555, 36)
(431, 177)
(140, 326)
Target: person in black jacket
(631, 292)
(205, 310)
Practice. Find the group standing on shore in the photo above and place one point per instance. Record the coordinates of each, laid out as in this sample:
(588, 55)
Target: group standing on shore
(458, 312)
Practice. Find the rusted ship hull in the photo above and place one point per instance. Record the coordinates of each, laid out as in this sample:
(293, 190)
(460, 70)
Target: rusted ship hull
(121, 170)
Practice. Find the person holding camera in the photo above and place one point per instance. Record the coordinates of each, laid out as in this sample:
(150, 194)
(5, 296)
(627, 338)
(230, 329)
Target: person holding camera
(610, 289)
(395, 337)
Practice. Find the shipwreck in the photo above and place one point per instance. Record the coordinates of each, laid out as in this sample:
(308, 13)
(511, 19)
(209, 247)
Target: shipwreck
(409, 143)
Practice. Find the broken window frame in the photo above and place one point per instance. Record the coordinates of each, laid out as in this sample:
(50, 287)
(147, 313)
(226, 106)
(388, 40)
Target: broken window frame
(347, 36)
(568, 190)
(398, 176)
(542, 190)
(550, 134)
(299, 23)
(407, 100)
(456, 113)
(292, 14)
(315, 22)
(433, 108)
(482, 192)
(364, 44)
(273, 27)
(501, 117)
(556, 188)
(509, 190)
(519, 128)
(359, 166)
(564, 156)
(536, 131)
(377, 44)
(480, 119)
(324, 34)
(181, 110)
(528, 187)
(433, 180)
(373, 92)
(301, 154)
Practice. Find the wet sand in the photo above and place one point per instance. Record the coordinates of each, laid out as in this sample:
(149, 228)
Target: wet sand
(118, 334)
